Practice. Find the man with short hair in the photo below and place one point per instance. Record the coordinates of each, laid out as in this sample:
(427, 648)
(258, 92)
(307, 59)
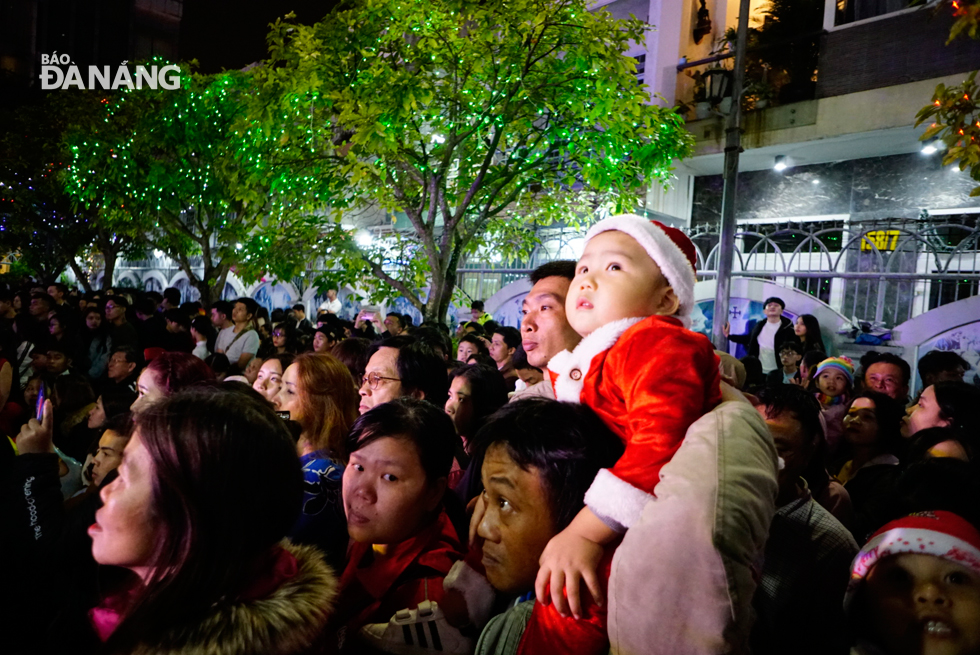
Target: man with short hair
(477, 314)
(942, 366)
(545, 330)
(403, 366)
(58, 292)
(302, 323)
(171, 299)
(539, 458)
(332, 304)
(393, 325)
(766, 338)
(121, 331)
(123, 368)
(888, 374)
(221, 312)
(808, 552)
(150, 326)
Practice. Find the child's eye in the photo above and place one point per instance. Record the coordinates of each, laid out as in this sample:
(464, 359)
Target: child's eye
(388, 477)
(503, 503)
(958, 578)
(583, 269)
(614, 267)
(358, 468)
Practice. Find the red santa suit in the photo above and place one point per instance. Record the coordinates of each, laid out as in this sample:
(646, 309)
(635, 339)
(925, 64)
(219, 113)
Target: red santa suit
(648, 379)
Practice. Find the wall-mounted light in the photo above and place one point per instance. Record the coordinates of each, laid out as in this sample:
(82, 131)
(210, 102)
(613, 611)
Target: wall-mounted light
(703, 27)
(782, 163)
(932, 146)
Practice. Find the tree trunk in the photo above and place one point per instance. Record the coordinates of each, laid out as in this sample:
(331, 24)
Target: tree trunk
(109, 256)
(80, 275)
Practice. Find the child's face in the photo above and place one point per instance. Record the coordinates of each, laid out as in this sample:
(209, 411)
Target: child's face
(832, 382)
(924, 605)
(789, 357)
(616, 279)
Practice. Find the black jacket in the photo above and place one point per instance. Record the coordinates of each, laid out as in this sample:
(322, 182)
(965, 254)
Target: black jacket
(751, 340)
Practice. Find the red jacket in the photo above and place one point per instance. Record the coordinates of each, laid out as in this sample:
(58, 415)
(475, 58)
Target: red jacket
(648, 380)
(373, 588)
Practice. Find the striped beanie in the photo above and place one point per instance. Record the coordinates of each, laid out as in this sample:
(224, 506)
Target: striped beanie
(843, 364)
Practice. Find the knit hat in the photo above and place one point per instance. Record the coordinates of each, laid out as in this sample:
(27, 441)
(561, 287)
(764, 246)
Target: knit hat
(843, 364)
(670, 248)
(938, 533)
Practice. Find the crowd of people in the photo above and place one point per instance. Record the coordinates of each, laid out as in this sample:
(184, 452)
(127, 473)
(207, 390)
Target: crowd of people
(184, 479)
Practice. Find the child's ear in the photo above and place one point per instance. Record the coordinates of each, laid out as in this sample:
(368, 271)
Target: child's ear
(669, 303)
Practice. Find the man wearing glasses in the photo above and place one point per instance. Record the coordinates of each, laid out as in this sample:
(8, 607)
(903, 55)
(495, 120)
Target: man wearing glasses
(121, 331)
(402, 366)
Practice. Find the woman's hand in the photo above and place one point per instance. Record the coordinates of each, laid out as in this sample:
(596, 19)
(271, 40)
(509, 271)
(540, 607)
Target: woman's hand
(568, 559)
(37, 437)
(727, 329)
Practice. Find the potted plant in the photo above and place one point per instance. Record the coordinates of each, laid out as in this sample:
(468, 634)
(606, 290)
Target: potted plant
(761, 94)
(702, 108)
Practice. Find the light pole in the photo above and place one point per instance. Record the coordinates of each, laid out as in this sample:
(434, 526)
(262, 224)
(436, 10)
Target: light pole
(733, 141)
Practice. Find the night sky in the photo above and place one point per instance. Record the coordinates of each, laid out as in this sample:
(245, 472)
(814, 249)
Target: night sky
(229, 34)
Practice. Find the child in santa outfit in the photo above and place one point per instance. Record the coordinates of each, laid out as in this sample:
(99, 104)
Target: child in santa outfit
(641, 370)
(915, 588)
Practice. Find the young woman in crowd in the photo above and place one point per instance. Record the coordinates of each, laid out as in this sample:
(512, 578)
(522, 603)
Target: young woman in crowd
(201, 573)
(319, 394)
(947, 405)
(268, 381)
(168, 373)
(872, 436)
(475, 392)
(404, 542)
(807, 328)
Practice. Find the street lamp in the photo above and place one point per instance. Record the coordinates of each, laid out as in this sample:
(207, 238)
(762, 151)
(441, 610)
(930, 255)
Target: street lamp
(718, 83)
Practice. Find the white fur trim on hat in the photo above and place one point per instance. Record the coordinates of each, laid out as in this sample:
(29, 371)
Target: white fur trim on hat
(672, 261)
(618, 503)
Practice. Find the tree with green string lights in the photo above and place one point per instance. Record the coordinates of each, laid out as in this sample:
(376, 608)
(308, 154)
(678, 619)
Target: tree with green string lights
(471, 123)
(179, 169)
(38, 220)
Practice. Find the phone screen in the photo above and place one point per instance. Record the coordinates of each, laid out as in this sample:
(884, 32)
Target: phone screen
(39, 408)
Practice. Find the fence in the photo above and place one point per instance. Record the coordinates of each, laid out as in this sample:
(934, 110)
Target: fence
(884, 272)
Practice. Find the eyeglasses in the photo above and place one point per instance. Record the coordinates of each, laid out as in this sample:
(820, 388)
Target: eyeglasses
(279, 334)
(374, 379)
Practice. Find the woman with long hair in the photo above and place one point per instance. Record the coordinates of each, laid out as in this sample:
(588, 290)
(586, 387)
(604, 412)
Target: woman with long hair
(268, 381)
(167, 374)
(194, 572)
(319, 394)
(807, 329)
(872, 435)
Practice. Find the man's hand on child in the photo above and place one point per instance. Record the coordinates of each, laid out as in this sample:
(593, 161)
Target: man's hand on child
(568, 559)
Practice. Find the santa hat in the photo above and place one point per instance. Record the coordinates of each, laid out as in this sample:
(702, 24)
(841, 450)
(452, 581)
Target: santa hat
(670, 248)
(940, 534)
(843, 364)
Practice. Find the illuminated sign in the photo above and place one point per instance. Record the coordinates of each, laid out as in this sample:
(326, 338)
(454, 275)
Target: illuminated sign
(883, 240)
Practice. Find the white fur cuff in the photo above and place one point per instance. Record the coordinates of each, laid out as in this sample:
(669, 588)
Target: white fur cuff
(613, 499)
(475, 589)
